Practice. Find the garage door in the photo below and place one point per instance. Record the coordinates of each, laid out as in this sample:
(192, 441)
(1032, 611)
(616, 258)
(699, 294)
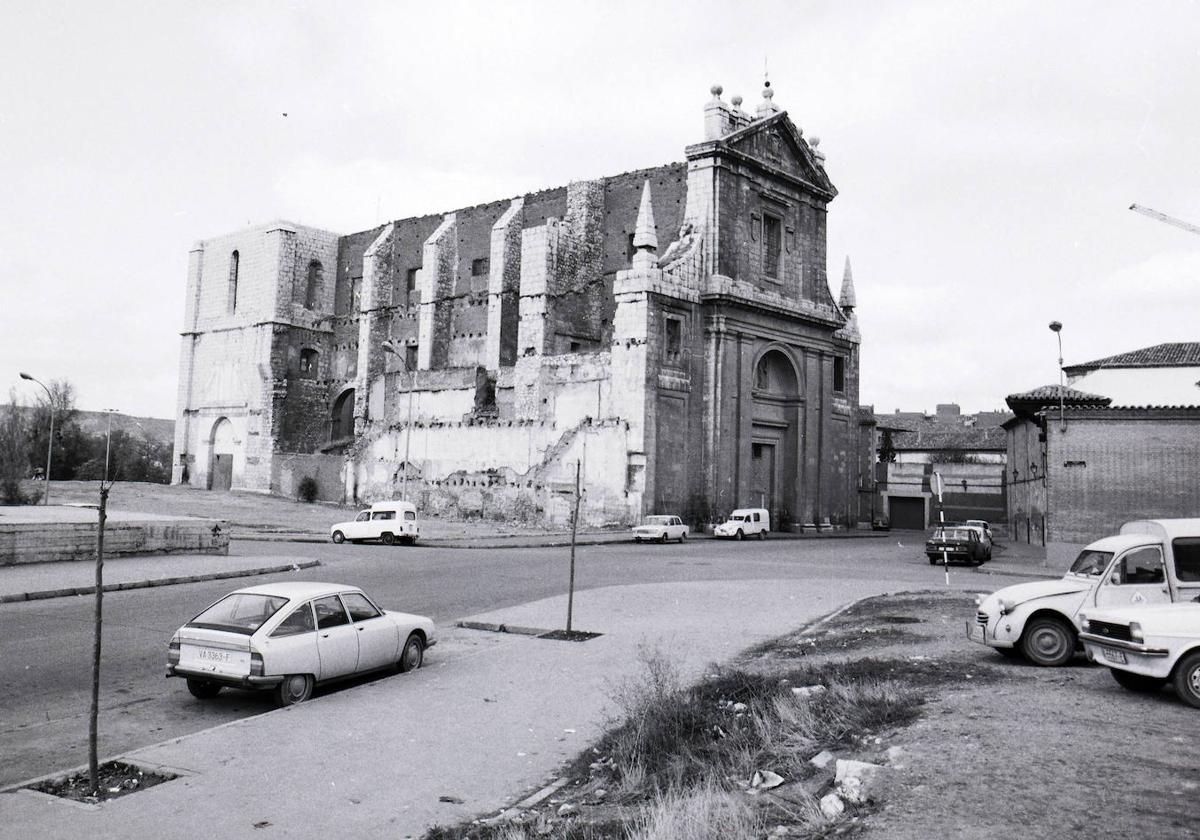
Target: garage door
(907, 512)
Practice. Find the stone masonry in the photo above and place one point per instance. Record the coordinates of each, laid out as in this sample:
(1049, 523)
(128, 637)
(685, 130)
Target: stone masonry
(670, 332)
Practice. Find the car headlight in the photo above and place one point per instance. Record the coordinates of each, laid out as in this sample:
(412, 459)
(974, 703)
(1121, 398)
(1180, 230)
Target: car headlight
(1135, 632)
(1005, 606)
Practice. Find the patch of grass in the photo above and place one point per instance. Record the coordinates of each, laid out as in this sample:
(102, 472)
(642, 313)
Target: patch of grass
(705, 812)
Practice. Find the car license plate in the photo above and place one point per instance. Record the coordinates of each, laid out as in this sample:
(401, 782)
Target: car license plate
(974, 631)
(1113, 655)
(216, 660)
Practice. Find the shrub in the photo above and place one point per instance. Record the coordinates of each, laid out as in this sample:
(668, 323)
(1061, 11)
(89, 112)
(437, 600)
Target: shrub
(307, 489)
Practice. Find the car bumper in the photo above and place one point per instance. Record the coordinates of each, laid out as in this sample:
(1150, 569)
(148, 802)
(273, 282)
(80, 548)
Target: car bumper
(1127, 656)
(981, 634)
(225, 679)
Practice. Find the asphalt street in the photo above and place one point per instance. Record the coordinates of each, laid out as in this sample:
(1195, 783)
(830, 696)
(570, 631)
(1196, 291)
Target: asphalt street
(45, 646)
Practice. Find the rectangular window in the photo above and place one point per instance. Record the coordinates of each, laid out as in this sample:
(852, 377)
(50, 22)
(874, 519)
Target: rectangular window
(673, 339)
(1187, 558)
(480, 267)
(410, 279)
(772, 242)
(839, 374)
(410, 356)
(629, 249)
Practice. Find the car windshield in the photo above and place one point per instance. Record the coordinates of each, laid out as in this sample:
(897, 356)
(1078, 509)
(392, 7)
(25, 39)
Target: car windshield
(241, 612)
(1092, 563)
(963, 534)
(658, 520)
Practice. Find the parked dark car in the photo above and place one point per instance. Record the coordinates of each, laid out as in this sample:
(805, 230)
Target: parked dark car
(958, 544)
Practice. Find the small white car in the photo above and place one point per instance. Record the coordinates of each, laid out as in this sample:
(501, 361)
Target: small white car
(388, 522)
(287, 637)
(745, 522)
(660, 529)
(1147, 647)
(1154, 561)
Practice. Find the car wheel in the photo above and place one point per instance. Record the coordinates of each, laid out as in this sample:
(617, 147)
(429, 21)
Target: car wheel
(762, 535)
(932, 561)
(413, 654)
(295, 688)
(339, 537)
(1048, 642)
(739, 535)
(662, 538)
(203, 689)
(1187, 679)
(1137, 682)
(408, 540)
(389, 538)
(683, 536)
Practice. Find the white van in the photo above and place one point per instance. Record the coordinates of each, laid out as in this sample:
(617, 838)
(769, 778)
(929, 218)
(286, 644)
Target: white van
(389, 522)
(745, 522)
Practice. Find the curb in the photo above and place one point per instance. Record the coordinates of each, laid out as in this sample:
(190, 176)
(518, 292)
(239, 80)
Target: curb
(46, 594)
(1016, 573)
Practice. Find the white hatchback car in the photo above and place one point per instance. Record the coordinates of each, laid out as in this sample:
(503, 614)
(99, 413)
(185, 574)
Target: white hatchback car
(1146, 647)
(661, 529)
(289, 636)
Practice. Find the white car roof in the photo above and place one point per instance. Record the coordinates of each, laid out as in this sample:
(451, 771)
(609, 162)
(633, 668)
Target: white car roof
(1165, 529)
(297, 590)
(1122, 542)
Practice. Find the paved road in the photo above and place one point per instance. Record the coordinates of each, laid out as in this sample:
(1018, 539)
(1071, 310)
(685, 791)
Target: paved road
(45, 648)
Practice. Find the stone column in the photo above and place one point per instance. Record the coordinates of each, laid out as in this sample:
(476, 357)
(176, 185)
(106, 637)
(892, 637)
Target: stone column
(436, 282)
(504, 287)
(375, 299)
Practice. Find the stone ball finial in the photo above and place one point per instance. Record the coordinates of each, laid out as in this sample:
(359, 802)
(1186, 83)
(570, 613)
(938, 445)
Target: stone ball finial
(716, 90)
(814, 141)
(737, 100)
(767, 92)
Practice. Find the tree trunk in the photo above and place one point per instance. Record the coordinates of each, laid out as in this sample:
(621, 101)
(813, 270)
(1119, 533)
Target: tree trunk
(93, 712)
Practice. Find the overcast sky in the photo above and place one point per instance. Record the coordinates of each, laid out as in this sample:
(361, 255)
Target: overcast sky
(985, 153)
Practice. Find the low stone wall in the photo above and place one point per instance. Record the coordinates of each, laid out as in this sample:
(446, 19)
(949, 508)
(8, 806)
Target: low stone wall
(72, 536)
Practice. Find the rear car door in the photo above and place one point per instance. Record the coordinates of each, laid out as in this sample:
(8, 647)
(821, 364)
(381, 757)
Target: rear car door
(378, 642)
(292, 646)
(337, 640)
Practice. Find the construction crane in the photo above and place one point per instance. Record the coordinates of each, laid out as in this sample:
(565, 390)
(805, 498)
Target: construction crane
(1164, 218)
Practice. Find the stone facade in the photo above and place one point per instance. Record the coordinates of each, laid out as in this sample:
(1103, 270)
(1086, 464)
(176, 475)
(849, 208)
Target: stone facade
(473, 359)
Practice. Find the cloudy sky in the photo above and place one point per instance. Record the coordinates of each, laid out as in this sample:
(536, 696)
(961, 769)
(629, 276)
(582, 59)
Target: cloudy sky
(986, 155)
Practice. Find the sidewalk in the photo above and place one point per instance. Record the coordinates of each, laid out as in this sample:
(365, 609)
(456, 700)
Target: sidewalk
(488, 720)
(36, 581)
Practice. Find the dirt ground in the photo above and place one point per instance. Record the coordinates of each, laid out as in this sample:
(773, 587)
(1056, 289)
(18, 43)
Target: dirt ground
(256, 513)
(1035, 752)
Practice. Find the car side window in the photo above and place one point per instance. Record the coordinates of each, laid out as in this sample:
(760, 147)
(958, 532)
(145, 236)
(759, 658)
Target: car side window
(1143, 565)
(756, 519)
(359, 607)
(300, 621)
(363, 516)
(384, 514)
(330, 612)
(1187, 558)
(410, 516)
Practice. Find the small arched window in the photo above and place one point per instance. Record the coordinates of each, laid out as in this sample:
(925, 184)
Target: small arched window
(231, 300)
(312, 287)
(308, 363)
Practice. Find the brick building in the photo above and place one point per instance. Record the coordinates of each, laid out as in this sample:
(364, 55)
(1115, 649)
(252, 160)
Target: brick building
(670, 330)
(1080, 467)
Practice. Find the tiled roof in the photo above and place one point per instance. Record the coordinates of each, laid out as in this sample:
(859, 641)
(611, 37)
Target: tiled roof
(1171, 354)
(1051, 392)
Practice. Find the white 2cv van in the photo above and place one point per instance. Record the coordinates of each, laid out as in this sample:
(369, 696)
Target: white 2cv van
(388, 522)
(1149, 562)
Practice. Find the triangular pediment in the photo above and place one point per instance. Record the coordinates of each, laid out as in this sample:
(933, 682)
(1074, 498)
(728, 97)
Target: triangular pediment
(775, 142)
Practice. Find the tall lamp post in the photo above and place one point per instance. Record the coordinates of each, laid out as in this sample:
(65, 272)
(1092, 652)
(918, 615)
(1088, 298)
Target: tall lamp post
(50, 444)
(1056, 328)
(391, 348)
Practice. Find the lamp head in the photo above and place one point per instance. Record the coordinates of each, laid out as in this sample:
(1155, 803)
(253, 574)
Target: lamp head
(389, 347)
(25, 375)
(1055, 326)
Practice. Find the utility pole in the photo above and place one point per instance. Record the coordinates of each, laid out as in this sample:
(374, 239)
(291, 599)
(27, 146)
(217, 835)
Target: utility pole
(574, 530)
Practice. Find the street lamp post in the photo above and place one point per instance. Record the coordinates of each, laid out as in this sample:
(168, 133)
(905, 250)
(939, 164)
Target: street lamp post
(391, 348)
(50, 444)
(1056, 328)
(108, 439)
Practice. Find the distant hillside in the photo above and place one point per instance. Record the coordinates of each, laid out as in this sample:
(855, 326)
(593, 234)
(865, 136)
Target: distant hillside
(96, 423)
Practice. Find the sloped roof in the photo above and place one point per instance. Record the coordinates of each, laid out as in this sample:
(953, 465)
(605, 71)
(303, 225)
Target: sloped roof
(1050, 392)
(1170, 354)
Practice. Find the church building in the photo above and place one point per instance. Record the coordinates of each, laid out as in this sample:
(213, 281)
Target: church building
(670, 332)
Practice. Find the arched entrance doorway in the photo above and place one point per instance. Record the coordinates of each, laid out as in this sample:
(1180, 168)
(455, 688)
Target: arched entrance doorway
(775, 438)
(220, 473)
(342, 416)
